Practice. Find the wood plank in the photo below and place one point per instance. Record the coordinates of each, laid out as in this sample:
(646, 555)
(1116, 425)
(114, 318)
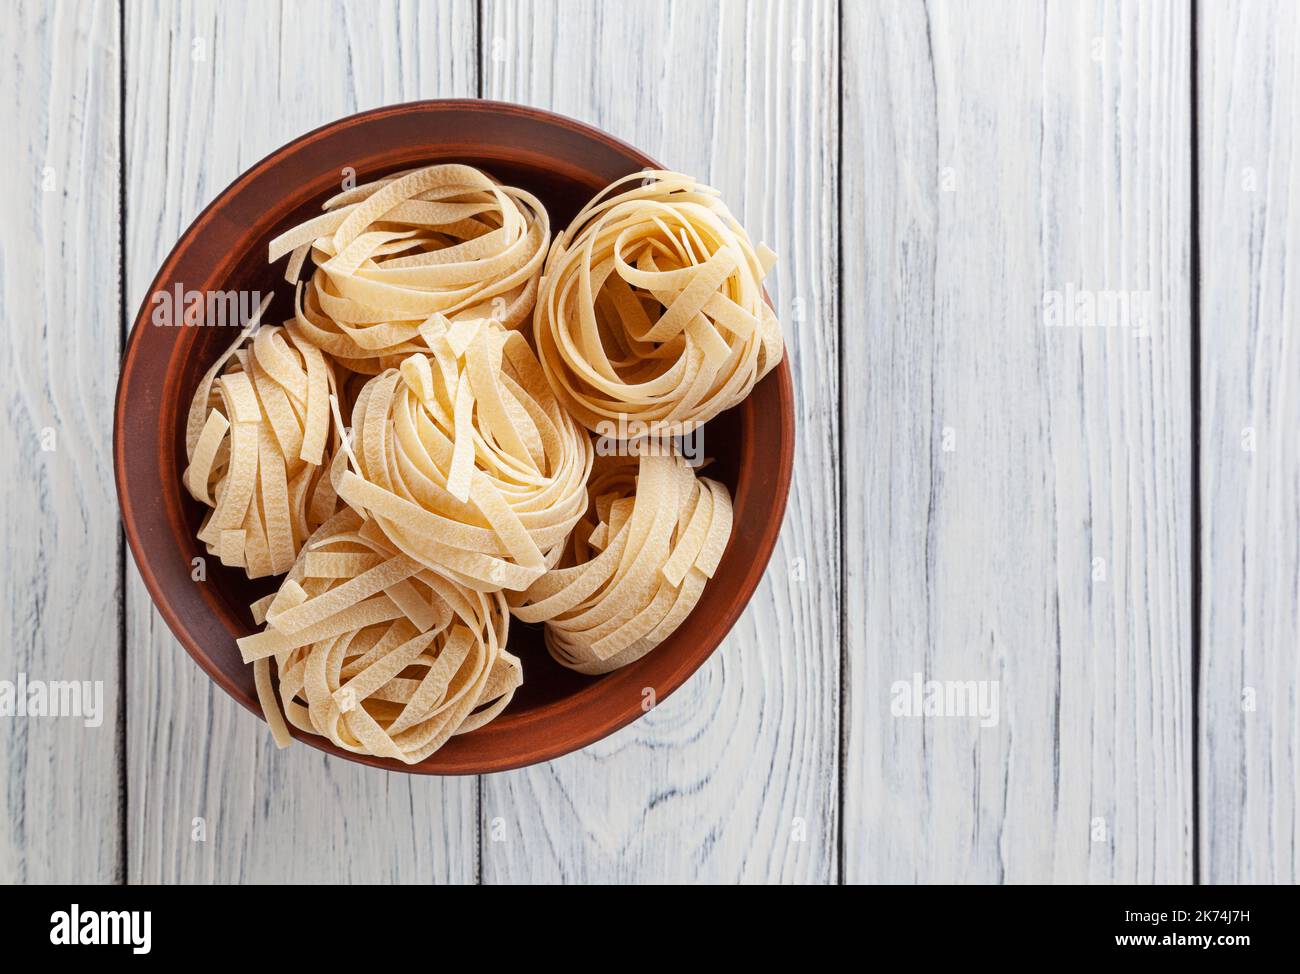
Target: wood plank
(733, 778)
(1248, 72)
(59, 299)
(1018, 502)
(192, 126)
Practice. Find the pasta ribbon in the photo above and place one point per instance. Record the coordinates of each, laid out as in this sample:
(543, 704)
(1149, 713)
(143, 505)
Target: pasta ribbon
(636, 564)
(651, 307)
(258, 443)
(441, 240)
(376, 653)
(465, 460)
(472, 355)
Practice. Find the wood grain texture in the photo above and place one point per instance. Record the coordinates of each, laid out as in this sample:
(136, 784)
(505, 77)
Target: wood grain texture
(1248, 76)
(989, 461)
(733, 778)
(1018, 502)
(211, 88)
(61, 591)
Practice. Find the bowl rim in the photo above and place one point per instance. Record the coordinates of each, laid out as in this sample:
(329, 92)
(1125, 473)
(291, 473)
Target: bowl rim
(546, 749)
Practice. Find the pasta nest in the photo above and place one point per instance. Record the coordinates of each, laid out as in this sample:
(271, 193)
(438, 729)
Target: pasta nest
(636, 565)
(376, 653)
(465, 459)
(258, 441)
(652, 309)
(391, 253)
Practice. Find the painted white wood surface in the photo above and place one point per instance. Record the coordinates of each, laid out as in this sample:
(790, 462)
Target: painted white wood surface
(987, 159)
(991, 461)
(211, 88)
(60, 601)
(734, 777)
(1249, 115)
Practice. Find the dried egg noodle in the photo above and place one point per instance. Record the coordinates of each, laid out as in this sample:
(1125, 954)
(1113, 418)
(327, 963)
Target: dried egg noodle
(443, 239)
(466, 487)
(466, 461)
(651, 307)
(258, 441)
(635, 570)
(376, 653)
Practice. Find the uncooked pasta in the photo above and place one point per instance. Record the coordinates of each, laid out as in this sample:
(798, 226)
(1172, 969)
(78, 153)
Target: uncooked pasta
(389, 254)
(466, 461)
(411, 449)
(651, 308)
(375, 653)
(258, 442)
(635, 566)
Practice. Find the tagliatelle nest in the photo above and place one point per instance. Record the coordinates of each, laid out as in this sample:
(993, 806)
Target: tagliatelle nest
(466, 461)
(635, 566)
(443, 239)
(651, 307)
(258, 441)
(466, 488)
(376, 653)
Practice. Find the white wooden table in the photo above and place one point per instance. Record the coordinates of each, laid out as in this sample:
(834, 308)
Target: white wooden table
(1103, 522)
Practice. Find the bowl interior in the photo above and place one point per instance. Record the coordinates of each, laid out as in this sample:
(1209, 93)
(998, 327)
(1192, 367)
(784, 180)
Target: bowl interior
(564, 164)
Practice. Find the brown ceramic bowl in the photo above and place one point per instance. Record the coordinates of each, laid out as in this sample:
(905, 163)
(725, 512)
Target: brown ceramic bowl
(564, 163)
